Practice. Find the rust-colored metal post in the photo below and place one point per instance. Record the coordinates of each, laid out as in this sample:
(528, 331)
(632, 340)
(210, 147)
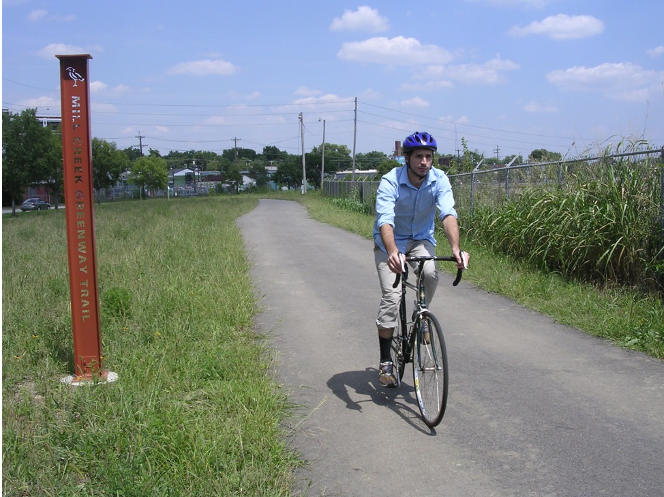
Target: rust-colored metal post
(79, 203)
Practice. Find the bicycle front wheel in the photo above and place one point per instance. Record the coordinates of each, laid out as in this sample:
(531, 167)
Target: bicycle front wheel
(430, 370)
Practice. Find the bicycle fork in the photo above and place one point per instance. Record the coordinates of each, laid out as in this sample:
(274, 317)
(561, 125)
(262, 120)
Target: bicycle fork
(416, 339)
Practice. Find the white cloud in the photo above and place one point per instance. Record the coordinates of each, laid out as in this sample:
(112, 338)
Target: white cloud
(98, 87)
(427, 86)
(303, 91)
(393, 51)
(41, 14)
(50, 51)
(618, 81)
(488, 73)
(363, 19)
(204, 68)
(36, 15)
(370, 94)
(324, 99)
(415, 102)
(106, 108)
(102, 88)
(236, 95)
(42, 103)
(656, 52)
(561, 27)
(533, 106)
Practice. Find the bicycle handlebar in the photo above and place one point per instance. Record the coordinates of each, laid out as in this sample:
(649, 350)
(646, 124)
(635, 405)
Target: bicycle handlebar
(423, 258)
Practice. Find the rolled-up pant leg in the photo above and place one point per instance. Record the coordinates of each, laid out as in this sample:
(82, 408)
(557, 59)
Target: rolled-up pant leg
(389, 302)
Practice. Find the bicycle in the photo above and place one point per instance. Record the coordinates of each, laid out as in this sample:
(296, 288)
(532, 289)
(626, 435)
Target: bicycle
(428, 354)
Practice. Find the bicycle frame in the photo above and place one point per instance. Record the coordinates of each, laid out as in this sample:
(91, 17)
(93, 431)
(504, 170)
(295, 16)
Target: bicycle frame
(409, 336)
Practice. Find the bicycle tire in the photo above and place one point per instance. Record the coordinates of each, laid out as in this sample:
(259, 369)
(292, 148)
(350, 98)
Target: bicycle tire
(399, 344)
(430, 372)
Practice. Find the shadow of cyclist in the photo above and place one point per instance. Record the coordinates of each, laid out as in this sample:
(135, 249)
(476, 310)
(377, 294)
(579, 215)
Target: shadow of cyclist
(365, 383)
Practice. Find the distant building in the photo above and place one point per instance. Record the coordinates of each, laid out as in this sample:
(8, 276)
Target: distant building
(50, 121)
(358, 173)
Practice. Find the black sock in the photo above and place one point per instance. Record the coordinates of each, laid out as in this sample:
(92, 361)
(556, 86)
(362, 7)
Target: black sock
(385, 349)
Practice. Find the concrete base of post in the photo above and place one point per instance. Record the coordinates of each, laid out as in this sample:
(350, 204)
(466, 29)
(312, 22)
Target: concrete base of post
(76, 381)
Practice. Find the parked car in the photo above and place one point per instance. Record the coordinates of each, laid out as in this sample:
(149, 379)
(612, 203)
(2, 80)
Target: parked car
(35, 204)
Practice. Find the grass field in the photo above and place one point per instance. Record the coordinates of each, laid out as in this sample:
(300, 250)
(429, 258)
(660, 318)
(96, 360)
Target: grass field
(196, 410)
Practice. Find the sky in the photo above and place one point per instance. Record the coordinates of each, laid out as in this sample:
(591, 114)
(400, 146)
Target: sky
(506, 76)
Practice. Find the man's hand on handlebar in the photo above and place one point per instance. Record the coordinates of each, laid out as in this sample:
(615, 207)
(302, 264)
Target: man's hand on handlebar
(396, 261)
(462, 258)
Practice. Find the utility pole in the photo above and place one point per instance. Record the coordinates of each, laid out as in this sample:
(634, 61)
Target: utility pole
(354, 139)
(140, 142)
(322, 166)
(304, 169)
(236, 139)
(456, 144)
(497, 152)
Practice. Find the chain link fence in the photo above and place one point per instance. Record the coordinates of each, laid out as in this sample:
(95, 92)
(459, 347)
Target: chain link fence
(492, 187)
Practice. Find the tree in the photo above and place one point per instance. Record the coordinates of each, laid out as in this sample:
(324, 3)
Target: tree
(508, 159)
(290, 172)
(386, 166)
(370, 160)
(132, 153)
(543, 155)
(27, 151)
(258, 172)
(54, 169)
(337, 158)
(149, 173)
(273, 154)
(469, 159)
(108, 164)
(232, 175)
(242, 153)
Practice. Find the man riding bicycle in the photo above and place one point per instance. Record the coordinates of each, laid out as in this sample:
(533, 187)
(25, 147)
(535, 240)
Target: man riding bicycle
(406, 204)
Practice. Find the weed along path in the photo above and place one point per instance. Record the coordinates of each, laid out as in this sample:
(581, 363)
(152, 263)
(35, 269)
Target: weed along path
(535, 408)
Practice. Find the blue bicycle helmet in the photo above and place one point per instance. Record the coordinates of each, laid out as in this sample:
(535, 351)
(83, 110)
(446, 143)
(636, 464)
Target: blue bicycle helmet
(419, 140)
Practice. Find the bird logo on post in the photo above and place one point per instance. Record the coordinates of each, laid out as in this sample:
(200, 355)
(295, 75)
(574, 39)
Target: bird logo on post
(73, 74)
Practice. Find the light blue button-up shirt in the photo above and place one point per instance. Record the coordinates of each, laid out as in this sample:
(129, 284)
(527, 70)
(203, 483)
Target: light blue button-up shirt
(411, 211)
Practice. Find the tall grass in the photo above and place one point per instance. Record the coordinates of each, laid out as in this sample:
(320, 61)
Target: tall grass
(602, 228)
(195, 410)
(352, 202)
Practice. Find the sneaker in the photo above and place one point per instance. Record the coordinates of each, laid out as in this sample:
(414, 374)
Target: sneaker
(425, 333)
(386, 374)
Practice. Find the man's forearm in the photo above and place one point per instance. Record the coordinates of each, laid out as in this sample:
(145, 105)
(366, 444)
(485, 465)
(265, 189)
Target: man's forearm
(451, 229)
(387, 236)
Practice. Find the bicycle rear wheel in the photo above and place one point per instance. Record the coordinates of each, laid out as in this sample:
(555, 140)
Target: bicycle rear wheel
(399, 343)
(430, 371)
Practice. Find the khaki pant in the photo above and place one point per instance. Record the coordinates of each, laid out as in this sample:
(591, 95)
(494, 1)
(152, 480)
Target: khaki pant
(389, 302)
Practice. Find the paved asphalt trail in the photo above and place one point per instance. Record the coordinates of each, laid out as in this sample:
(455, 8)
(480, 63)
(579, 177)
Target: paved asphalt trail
(535, 408)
